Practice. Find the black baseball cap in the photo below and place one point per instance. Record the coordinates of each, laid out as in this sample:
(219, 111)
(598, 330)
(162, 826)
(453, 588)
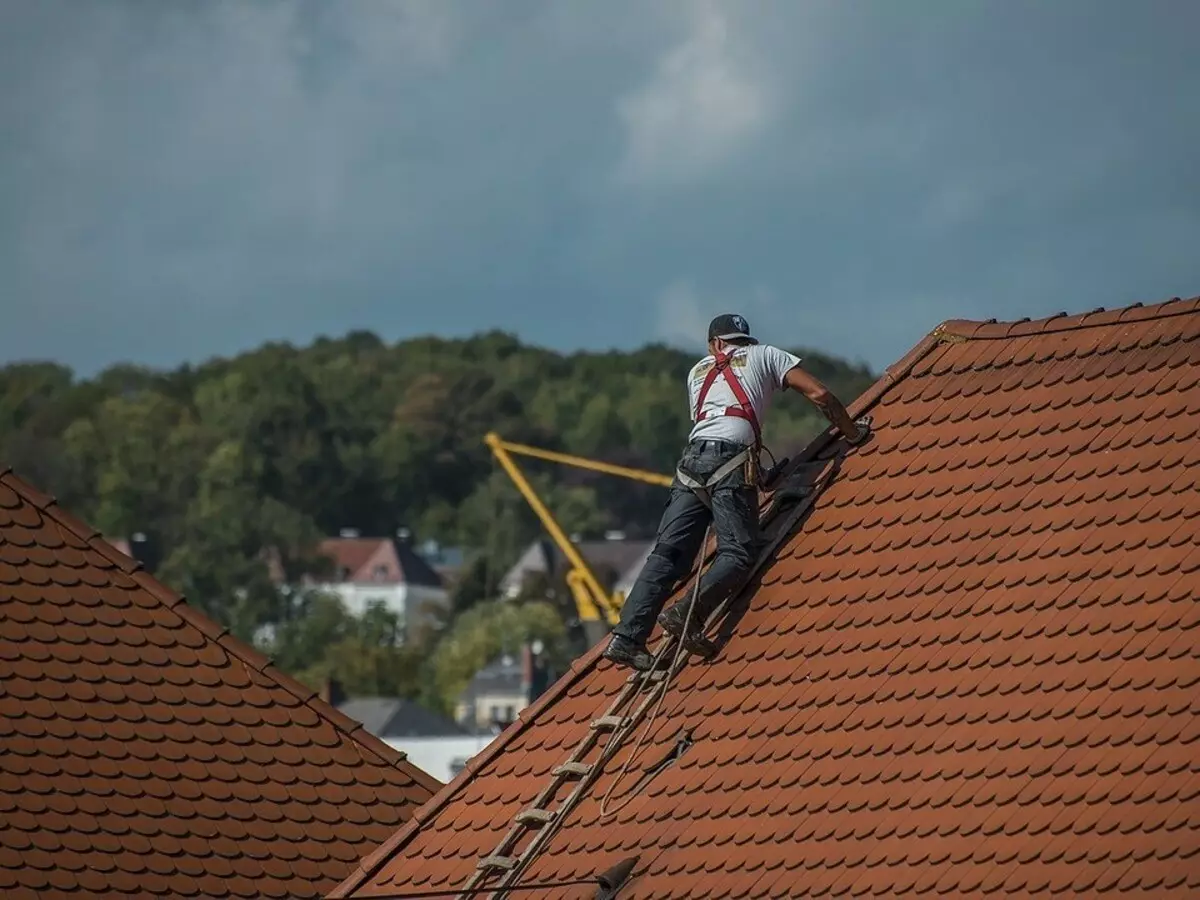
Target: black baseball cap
(728, 327)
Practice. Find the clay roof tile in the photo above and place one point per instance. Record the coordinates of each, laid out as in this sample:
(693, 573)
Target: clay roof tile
(969, 669)
(146, 752)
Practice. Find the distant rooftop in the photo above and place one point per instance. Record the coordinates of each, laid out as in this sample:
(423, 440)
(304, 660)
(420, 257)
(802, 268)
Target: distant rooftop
(396, 717)
(378, 560)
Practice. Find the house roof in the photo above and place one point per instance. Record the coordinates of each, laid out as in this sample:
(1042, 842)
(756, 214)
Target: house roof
(146, 752)
(361, 557)
(503, 675)
(395, 717)
(975, 667)
(610, 559)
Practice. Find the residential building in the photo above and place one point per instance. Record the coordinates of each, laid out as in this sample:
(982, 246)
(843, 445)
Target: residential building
(968, 664)
(448, 562)
(443, 757)
(144, 752)
(609, 559)
(383, 571)
(499, 691)
(428, 740)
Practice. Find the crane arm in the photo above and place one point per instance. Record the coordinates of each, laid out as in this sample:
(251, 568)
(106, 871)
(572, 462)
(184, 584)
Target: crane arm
(496, 442)
(601, 606)
(591, 599)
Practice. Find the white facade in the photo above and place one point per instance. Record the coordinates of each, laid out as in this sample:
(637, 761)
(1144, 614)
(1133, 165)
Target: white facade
(406, 600)
(441, 757)
(490, 706)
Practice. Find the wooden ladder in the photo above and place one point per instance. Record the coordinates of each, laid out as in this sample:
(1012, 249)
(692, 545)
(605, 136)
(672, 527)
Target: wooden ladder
(541, 819)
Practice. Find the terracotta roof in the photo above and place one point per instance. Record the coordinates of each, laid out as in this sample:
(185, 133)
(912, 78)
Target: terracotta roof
(975, 668)
(145, 752)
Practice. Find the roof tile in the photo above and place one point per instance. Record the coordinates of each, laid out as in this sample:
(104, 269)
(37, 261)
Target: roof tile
(971, 671)
(142, 745)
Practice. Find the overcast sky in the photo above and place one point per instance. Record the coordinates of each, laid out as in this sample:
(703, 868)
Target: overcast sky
(183, 179)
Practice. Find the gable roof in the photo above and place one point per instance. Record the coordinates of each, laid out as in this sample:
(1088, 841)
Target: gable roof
(146, 752)
(609, 560)
(360, 557)
(395, 717)
(974, 668)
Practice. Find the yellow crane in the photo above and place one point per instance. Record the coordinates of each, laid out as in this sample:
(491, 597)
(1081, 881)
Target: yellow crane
(593, 602)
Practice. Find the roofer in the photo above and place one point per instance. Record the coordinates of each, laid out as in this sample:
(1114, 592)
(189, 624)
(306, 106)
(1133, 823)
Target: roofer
(716, 481)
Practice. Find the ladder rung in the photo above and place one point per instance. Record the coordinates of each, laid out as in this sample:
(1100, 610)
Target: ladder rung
(573, 768)
(534, 816)
(608, 722)
(652, 676)
(497, 862)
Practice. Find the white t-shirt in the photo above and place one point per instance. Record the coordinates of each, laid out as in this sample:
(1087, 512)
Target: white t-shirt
(760, 368)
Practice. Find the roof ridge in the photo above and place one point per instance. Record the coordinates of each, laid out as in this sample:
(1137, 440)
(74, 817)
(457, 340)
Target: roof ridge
(215, 632)
(991, 329)
(372, 863)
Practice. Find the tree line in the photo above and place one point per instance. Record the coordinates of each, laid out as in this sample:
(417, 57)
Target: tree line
(283, 445)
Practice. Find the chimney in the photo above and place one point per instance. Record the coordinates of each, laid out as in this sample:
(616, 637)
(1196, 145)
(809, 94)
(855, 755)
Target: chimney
(332, 692)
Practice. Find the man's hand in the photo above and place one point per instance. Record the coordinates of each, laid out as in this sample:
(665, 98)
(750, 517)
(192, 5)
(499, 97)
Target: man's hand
(863, 426)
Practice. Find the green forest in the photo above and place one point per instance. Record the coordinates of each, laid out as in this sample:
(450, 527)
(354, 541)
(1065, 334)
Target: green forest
(283, 445)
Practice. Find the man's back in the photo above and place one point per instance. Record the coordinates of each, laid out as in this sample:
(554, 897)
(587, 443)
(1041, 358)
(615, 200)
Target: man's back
(760, 368)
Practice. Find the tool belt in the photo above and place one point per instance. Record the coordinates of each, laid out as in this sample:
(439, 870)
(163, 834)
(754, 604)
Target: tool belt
(702, 488)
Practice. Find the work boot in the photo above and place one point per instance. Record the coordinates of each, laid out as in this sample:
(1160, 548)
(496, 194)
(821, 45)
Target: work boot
(672, 619)
(694, 641)
(625, 652)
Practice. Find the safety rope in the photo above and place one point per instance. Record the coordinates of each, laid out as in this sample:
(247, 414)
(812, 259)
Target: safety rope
(618, 737)
(604, 811)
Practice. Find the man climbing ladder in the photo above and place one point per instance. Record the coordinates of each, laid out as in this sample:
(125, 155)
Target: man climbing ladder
(716, 481)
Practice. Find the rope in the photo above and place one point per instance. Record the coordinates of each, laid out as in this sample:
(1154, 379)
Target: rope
(614, 742)
(618, 738)
(604, 811)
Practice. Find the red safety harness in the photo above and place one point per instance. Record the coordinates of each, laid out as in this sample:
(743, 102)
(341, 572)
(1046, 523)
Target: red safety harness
(744, 410)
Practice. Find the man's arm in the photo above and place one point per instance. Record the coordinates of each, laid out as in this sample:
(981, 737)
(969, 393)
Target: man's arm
(822, 398)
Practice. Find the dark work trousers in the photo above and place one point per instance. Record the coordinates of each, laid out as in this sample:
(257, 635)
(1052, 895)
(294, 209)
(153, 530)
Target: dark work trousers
(734, 517)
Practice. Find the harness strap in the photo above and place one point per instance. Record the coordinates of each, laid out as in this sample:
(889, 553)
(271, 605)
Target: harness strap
(702, 489)
(722, 365)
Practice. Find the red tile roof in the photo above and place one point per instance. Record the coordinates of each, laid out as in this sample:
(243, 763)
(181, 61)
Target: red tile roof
(145, 752)
(361, 557)
(974, 669)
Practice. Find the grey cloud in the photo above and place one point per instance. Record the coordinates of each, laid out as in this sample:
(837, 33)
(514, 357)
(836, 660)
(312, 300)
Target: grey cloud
(179, 179)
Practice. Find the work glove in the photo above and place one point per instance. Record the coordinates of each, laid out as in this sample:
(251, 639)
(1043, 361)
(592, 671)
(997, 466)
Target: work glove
(863, 424)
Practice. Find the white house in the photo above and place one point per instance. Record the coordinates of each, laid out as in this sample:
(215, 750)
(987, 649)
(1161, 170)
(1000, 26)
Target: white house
(384, 571)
